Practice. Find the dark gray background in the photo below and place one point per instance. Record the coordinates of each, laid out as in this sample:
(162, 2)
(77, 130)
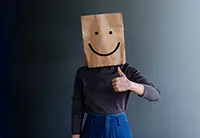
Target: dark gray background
(44, 49)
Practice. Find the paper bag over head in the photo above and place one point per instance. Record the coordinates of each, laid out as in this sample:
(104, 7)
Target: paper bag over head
(103, 39)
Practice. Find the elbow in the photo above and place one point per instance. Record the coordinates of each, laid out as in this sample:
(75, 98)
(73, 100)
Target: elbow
(151, 93)
(156, 98)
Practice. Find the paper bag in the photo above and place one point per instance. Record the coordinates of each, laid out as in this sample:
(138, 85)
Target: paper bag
(103, 39)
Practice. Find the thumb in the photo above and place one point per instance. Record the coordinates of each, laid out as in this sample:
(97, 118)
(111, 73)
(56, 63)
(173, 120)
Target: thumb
(120, 72)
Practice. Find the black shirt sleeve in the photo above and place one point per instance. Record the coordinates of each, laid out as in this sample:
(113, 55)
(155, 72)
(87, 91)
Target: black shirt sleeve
(151, 93)
(77, 111)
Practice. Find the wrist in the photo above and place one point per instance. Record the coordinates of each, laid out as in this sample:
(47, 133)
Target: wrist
(131, 86)
(137, 88)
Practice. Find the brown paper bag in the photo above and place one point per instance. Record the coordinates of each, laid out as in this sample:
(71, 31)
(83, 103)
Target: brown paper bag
(103, 38)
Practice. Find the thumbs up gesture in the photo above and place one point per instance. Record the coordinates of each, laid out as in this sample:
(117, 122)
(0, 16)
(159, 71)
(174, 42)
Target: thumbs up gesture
(121, 83)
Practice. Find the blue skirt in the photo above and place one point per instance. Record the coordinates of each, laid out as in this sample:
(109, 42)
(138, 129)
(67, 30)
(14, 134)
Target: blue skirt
(106, 126)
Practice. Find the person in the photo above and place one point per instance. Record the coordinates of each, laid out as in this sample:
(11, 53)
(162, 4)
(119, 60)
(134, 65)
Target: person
(104, 91)
(102, 87)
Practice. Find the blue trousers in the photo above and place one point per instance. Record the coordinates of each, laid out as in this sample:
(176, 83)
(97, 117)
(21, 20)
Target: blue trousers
(106, 126)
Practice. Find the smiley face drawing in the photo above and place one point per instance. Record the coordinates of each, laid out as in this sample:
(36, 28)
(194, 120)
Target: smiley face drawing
(103, 39)
(100, 54)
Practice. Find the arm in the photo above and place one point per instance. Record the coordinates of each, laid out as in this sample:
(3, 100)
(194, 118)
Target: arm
(77, 112)
(135, 82)
(137, 88)
(142, 87)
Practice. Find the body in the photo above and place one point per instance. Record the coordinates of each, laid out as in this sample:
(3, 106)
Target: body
(106, 90)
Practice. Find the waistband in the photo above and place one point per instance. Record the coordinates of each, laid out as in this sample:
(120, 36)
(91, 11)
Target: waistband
(108, 119)
(106, 115)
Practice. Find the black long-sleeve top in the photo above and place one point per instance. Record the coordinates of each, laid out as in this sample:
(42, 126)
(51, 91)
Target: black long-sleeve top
(94, 93)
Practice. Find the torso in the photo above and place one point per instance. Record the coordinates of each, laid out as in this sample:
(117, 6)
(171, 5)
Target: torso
(100, 97)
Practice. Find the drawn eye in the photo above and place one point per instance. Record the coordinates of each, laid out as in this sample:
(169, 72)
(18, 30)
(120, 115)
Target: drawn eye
(110, 32)
(96, 33)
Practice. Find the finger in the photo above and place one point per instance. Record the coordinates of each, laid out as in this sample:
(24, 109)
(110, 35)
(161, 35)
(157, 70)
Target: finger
(120, 72)
(116, 83)
(116, 89)
(115, 79)
(115, 86)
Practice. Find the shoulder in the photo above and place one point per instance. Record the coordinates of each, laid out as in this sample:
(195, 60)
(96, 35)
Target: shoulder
(130, 71)
(128, 68)
(81, 70)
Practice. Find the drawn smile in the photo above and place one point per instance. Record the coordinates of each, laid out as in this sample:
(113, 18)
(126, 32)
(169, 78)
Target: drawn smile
(108, 54)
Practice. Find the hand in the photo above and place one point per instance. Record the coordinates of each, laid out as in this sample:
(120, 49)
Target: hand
(75, 136)
(121, 83)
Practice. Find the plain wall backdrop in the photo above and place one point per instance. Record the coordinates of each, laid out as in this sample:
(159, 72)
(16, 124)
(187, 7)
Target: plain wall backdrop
(44, 49)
